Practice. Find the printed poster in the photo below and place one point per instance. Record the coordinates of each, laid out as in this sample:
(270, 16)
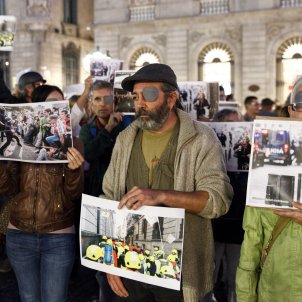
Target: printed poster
(123, 100)
(35, 132)
(235, 139)
(104, 68)
(275, 168)
(144, 245)
(199, 99)
(7, 32)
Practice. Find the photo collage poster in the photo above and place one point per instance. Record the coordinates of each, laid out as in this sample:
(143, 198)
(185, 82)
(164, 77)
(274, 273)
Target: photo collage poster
(235, 139)
(35, 132)
(199, 99)
(123, 100)
(145, 245)
(7, 32)
(275, 176)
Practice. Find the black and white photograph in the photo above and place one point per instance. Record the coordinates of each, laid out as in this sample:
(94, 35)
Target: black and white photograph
(7, 32)
(35, 132)
(235, 139)
(104, 69)
(144, 245)
(199, 99)
(123, 100)
(275, 169)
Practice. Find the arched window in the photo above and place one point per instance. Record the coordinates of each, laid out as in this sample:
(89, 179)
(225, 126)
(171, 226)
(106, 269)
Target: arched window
(71, 65)
(289, 66)
(215, 64)
(142, 57)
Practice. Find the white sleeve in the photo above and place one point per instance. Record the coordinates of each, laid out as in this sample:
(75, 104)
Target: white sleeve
(76, 115)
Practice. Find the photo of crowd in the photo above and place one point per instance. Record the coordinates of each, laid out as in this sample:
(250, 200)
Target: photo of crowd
(37, 132)
(127, 242)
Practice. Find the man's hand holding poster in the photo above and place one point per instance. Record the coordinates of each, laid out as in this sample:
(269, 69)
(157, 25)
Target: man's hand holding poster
(144, 245)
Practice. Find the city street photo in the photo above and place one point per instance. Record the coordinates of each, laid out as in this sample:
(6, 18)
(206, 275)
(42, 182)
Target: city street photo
(275, 167)
(144, 245)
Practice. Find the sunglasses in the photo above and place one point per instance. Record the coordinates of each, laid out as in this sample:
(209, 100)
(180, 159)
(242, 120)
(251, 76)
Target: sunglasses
(150, 94)
(107, 99)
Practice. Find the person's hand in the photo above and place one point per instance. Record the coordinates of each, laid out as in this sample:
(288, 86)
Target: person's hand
(88, 83)
(75, 158)
(138, 197)
(114, 119)
(117, 285)
(295, 215)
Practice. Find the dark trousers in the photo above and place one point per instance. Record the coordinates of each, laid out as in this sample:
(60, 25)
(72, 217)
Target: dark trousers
(139, 291)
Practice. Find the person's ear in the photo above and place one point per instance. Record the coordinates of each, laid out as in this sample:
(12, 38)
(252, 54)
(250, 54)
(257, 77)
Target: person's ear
(290, 110)
(174, 95)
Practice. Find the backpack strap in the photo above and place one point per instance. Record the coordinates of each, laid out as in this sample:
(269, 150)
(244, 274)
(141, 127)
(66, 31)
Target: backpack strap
(278, 228)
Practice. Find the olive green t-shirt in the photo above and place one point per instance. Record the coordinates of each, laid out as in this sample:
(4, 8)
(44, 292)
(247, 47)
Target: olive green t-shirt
(152, 158)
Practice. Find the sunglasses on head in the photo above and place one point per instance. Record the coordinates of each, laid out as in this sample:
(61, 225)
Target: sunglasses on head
(150, 94)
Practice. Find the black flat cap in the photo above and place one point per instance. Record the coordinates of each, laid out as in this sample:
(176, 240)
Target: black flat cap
(155, 72)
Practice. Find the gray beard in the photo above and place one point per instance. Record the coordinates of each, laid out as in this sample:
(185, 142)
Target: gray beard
(156, 119)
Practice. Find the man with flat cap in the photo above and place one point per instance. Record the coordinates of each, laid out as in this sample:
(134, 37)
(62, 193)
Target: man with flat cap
(164, 158)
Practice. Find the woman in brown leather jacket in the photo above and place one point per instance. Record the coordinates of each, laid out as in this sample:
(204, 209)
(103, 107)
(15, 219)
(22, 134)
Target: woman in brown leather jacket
(41, 233)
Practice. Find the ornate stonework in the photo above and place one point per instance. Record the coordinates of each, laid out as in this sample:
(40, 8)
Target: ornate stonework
(195, 36)
(234, 33)
(160, 40)
(38, 8)
(273, 30)
(141, 2)
(126, 41)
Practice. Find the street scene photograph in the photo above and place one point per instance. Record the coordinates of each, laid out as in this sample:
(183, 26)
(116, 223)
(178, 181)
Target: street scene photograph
(275, 169)
(130, 242)
(38, 132)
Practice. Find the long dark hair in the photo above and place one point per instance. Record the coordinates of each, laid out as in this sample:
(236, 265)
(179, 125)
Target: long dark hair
(41, 93)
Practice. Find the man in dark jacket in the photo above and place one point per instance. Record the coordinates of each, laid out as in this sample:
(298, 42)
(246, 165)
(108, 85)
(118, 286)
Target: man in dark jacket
(99, 135)
(99, 138)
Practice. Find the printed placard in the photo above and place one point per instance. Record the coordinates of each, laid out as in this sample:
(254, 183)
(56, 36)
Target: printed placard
(144, 245)
(199, 99)
(235, 139)
(7, 32)
(123, 100)
(275, 176)
(35, 132)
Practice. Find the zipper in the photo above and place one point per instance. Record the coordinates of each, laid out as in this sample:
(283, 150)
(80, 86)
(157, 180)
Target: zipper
(37, 174)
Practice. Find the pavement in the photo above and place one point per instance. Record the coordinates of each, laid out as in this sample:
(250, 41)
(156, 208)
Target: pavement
(82, 288)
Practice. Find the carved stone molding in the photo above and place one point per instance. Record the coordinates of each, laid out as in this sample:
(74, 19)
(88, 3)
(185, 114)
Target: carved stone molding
(38, 8)
(195, 36)
(234, 33)
(141, 2)
(273, 30)
(160, 40)
(126, 41)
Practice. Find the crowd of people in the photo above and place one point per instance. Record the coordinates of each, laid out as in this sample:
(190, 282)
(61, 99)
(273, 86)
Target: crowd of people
(119, 253)
(162, 158)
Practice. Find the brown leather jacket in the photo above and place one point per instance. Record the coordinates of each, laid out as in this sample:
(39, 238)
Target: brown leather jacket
(42, 195)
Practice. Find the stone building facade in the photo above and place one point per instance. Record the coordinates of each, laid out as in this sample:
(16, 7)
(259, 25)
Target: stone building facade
(251, 47)
(52, 37)
(256, 38)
